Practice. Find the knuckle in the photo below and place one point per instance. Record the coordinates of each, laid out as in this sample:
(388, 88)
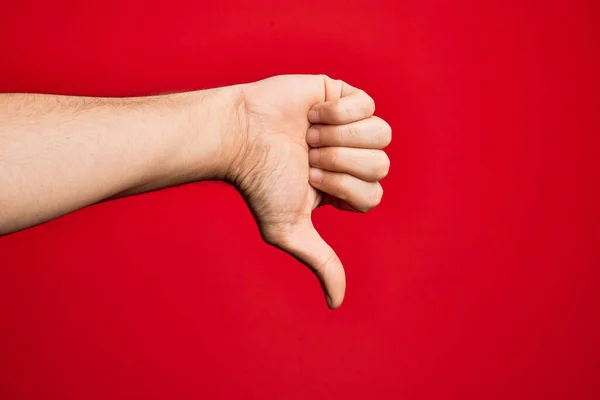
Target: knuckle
(325, 79)
(382, 166)
(315, 139)
(369, 103)
(376, 196)
(386, 134)
(337, 88)
(386, 163)
(321, 267)
(315, 156)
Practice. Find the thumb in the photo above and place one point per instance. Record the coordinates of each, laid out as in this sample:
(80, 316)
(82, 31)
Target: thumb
(305, 244)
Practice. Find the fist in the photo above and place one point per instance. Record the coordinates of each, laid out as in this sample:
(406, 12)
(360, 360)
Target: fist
(306, 141)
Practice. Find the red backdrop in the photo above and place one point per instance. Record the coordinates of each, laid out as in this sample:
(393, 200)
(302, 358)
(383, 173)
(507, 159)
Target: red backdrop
(477, 277)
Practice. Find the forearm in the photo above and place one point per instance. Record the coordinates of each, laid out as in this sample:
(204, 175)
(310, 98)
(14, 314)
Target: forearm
(61, 153)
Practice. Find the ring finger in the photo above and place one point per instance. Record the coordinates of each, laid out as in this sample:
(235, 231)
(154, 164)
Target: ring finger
(366, 164)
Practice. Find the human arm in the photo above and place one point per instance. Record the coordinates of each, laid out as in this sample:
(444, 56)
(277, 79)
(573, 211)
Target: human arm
(61, 153)
(289, 144)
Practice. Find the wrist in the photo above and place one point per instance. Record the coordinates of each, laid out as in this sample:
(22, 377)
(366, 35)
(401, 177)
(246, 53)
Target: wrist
(203, 138)
(213, 131)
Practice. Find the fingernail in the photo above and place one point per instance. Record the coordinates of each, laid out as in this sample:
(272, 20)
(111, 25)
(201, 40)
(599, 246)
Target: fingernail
(313, 115)
(312, 136)
(313, 157)
(315, 175)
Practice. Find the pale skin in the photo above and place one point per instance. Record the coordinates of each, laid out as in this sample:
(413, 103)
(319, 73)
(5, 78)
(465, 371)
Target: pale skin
(288, 144)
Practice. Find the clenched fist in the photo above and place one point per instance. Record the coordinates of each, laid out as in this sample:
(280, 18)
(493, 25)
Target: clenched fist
(289, 144)
(308, 141)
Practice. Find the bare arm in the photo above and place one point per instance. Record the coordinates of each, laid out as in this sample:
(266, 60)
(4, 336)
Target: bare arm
(61, 153)
(289, 144)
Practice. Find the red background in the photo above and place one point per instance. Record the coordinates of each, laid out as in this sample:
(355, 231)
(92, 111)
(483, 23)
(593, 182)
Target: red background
(477, 277)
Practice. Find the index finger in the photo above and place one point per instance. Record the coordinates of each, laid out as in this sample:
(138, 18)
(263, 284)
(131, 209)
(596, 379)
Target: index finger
(354, 105)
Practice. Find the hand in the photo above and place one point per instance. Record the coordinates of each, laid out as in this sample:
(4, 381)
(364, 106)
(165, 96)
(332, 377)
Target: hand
(308, 141)
(289, 144)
